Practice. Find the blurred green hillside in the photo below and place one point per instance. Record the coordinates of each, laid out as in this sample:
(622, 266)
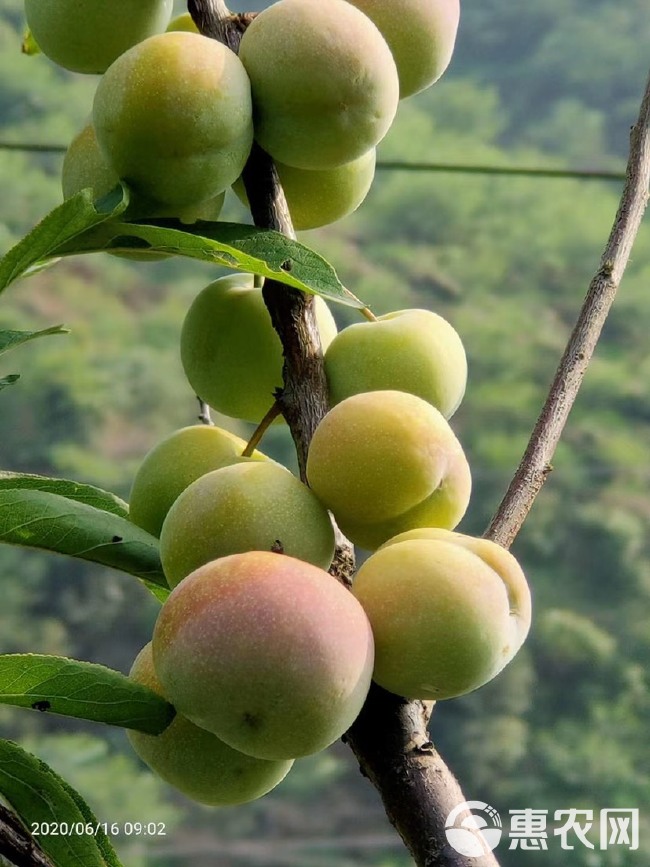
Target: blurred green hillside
(507, 261)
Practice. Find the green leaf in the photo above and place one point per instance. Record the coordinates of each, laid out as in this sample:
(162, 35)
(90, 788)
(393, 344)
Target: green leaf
(75, 216)
(9, 380)
(49, 521)
(10, 339)
(234, 245)
(83, 690)
(38, 796)
(82, 493)
(101, 837)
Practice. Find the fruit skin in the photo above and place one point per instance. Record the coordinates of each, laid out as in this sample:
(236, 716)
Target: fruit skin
(324, 82)
(174, 463)
(415, 351)
(185, 22)
(195, 761)
(447, 614)
(173, 117)
(318, 198)
(421, 35)
(84, 166)
(258, 506)
(231, 354)
(377, 456)
(443, 508)
(270, 653)
(88, 35)
(497, 558)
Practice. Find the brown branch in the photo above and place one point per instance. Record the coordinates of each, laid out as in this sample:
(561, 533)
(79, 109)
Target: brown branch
(536, 462)
(392, 745)
(389, 738)
(16, 843)
(303, 398)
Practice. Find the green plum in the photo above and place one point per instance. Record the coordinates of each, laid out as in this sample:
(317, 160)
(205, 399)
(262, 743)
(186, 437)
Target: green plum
(318, 198)
(325, 85)
(195, 761)
(173, 117)
(271, 654)
(185, 22)
(444, 507)
(231, 354)
(88, 35)
(421, 35)
(254, 506)
(447, 612)
(86, 167)
(174, 463)
(409, 350)
(379, 457)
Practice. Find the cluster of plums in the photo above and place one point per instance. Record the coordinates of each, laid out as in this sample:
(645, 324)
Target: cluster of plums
(316, 83)
(265, 656)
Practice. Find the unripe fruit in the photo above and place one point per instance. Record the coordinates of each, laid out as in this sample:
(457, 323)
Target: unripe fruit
(415, 351)
(231, 354)
(324, 82)
(447, 612)
(195, 761)
(318, 198)
(174, 463)
(173, 117)
(85, 166)
(88, 35)
(444, 508)
(271, 654)
(257, 506)
(421, 35)
(382, 456)
(185, 22)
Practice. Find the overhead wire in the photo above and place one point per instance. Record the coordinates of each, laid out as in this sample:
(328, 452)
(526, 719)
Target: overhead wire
(406, 166)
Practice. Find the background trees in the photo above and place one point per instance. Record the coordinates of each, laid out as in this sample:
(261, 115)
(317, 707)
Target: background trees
(507, 261)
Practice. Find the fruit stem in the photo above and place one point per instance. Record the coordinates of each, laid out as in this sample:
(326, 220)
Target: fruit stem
(261, 429)
(258, 281)
(369, 315)
(204, 412)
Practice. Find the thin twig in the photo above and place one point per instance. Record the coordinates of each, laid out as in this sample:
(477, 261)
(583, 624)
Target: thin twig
(536, 462)
(17, 845)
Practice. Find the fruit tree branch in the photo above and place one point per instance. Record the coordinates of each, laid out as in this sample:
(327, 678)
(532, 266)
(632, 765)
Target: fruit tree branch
(536, 462)
(390, 738)
(17, 845)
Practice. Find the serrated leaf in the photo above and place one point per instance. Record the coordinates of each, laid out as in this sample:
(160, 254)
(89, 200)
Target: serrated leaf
(38, 795)
(234, 245)
(83, 690)
(82, 493)
(101, 837)
(9, 380)
(51, 522)
(11, 339)
(70, 219)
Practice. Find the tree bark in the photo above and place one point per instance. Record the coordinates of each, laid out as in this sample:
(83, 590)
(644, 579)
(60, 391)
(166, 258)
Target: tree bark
(16, 843)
